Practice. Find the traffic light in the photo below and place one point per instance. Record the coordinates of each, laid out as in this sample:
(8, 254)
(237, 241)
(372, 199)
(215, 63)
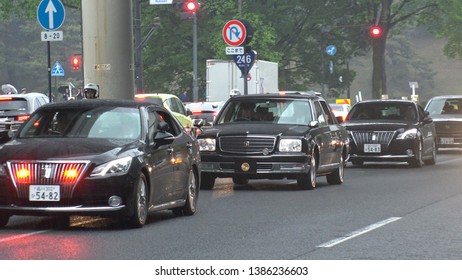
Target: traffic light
(375, 31)
(190, 6)
(75, 61)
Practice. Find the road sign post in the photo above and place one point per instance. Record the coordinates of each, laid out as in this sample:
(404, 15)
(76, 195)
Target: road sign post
(50, 15)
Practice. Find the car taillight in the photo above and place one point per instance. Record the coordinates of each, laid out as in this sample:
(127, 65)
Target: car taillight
(196, 112)
(2, 98)
(23, 118)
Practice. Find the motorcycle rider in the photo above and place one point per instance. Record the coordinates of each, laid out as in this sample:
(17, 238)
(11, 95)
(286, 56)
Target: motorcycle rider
(91, 91)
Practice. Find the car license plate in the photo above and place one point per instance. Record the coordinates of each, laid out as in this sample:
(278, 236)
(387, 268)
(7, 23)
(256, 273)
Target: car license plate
(44, 193)
(446, 140)
(372, 148)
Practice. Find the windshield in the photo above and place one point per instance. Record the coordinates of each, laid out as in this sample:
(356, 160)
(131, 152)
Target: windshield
(277, 111)
(383, 111)
(445, 106)
(102, 122)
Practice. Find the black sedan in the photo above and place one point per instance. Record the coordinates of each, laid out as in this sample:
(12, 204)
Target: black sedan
(116, 158)
(274, 136)
(446, 112)
(391, 130)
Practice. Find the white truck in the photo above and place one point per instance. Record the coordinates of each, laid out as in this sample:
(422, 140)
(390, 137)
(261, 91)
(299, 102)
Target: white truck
(224, 77)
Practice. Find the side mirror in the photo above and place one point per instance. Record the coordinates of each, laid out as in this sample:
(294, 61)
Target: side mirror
(339, 119)
(162, 136)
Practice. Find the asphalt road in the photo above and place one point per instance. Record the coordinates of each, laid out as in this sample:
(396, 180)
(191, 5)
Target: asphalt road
(381, 212)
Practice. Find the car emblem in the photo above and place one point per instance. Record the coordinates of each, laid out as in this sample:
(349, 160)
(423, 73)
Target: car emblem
(245, 167)
(265, 151)
(246, 144)
(374, 137)
(46, 171)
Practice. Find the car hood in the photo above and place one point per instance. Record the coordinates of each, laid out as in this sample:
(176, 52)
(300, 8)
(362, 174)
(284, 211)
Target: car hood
(236, 129)
(377, 125)
(96, 150)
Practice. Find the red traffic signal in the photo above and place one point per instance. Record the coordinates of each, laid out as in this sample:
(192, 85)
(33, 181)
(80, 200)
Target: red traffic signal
(75, 61)
(191, 6)
(375, 31)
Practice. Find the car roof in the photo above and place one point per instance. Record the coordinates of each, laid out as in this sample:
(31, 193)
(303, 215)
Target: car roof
(280, 95)
(94, 103)
(445, 97)
(156, 95)
(28, 95)
(386, 101)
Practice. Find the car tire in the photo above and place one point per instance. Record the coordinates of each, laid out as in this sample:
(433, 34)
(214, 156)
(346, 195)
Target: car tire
(336, 177)
(417, 161)
(308, 181)
(240, 181)
(191, 197)
(207, 181)
(432, 160)
(139, 204)
(4, 220)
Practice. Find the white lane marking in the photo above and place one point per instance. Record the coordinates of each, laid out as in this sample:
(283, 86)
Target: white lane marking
(21, 236)
(357, 233)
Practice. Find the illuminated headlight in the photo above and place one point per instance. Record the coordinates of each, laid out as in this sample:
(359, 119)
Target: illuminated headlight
(118, 166)
(408, 134)
(207, 144)
(2, 170)
(290, 145)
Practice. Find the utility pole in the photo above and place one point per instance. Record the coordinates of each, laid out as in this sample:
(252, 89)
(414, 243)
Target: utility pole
(108, 55)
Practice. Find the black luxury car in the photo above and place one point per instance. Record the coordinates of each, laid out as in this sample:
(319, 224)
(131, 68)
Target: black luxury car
(391, 130)
(446, 112)
(274, 136)
(116, 158)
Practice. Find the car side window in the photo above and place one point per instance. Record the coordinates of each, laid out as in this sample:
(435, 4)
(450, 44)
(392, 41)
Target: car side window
(330, 118)
(319, 114)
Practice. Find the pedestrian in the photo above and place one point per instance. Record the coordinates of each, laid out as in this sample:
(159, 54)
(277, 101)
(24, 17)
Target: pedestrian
(79, 95)
(184, 96)
(66, 94)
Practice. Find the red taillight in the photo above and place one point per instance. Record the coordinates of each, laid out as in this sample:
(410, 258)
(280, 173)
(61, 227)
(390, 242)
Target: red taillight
(196, 112)
(5, 98)
(23, 118)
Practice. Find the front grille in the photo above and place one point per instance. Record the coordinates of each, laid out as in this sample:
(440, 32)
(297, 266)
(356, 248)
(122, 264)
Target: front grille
(372, 137)
(247, 144)
(449, 129)
(66, 174)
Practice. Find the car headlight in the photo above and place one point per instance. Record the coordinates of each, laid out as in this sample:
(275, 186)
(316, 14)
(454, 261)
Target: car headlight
(118, 166)
(408, 134)
(290, 145)
(207, 144)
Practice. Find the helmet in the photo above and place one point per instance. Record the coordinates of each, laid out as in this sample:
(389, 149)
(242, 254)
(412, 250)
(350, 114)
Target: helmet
(91, 87)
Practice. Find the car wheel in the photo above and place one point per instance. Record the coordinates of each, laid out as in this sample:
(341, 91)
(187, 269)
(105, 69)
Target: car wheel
(417, 160)
(308, 181)
(336, 177)
(432, 160)
(240, 181)
(139, 205)
(207, 181)
(4, 220)
(191, 199)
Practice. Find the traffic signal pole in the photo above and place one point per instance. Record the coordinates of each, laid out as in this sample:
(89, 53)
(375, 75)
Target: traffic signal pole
(108, 51)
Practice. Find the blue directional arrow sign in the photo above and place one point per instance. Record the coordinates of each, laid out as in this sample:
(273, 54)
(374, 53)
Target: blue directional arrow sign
(331, 50)
(244, 61)
(51, 14)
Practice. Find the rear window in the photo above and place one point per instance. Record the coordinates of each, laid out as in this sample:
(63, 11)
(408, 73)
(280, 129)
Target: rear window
(9, 105)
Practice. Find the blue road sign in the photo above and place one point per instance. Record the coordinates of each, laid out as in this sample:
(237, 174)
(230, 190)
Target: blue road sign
(331, 50)
(51, 14)
(57, 70)
(244, 61)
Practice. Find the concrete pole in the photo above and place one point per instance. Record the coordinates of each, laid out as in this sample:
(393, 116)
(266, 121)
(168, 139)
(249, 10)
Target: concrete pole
(108, 55)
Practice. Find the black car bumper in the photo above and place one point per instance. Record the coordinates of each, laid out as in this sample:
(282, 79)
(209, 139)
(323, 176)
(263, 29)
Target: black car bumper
(396, 150)
(91, 196)
(261, 167)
